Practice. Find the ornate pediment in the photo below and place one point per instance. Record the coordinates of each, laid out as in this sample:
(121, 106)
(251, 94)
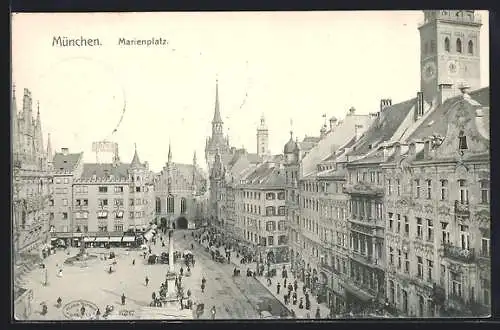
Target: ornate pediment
(428, 208)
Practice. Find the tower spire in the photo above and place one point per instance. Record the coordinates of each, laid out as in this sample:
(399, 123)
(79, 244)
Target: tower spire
(217, 116)
(169, 152)
(135, 161)
(49, 150)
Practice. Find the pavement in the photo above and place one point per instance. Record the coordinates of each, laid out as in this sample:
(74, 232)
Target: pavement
(272, 289)
(91, 284)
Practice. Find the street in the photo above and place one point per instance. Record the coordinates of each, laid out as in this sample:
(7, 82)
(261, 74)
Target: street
(233, 297)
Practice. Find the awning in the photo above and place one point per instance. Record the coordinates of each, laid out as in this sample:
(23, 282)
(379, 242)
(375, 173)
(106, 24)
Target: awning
(88, 239)
(77, 234)
(102, 239)
(128, 239)
(361, 294)
(115, 239)
(63, 235)
(53, 239)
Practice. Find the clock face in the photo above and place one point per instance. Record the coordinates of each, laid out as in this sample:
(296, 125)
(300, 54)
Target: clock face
(452, 67)
(429, 71)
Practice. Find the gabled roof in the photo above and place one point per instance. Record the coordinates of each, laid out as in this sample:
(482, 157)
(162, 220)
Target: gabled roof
(104, 170)
(335, 155)
(434, 123)
(384, 127)
(265, 175)
(66, 162)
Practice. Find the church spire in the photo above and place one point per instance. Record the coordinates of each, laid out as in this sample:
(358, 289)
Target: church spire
(169, 153)
(217, 118)
(50, 156)
(194, 158)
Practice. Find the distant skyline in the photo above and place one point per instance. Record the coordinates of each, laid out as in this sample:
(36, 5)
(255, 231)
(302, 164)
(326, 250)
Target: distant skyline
(289, 66)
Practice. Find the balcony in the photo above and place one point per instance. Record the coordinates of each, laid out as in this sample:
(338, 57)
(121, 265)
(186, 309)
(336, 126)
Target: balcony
(458, 254)
(462, 208)
(326, 267)
(364, 188)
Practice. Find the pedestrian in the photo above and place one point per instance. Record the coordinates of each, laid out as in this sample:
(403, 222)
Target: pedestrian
(133, 262)
(318, 315)
(285, 299)
(294, 297)
(181, 271)
(202, 287)
(82, 310)
(97, 313)
(213, 311)
(146, 280)
(278, 286)
(304, 289)
(301, 303)
(295, 286)
(123, 298)
(284, 283)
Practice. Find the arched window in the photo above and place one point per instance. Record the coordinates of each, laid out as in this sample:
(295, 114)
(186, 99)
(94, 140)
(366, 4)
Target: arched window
(459, 45)
(464, 191)
(470, 47)
(447, 44)
(170, 204)
(183, 205)
(158, 205)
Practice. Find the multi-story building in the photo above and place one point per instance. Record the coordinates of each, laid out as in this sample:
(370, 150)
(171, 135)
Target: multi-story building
(179, 188)
(107, 199)
(260, 207)
(32, 180)
(66, 167)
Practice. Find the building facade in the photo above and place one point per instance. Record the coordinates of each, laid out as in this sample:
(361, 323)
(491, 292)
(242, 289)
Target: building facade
(180, 194)
(32, 179)
(260, 211)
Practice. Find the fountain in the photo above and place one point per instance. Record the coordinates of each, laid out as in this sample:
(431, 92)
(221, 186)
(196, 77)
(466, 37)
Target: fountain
(81, 258)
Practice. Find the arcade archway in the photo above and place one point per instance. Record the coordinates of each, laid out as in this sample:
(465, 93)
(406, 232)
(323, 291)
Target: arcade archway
(181, 223)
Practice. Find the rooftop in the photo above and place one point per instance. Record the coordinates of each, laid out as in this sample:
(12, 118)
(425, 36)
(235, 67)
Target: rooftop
(66, 162)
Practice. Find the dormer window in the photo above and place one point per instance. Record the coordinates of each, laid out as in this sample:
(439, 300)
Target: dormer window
(462, 142)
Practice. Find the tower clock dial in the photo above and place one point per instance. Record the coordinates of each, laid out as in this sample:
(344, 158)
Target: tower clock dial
(429, 71)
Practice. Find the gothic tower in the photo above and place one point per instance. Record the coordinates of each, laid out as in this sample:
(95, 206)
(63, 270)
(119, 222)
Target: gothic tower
(449, 51)
(217, 141)
(262, 139)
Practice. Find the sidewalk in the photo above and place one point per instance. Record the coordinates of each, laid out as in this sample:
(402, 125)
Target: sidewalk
(299, 313)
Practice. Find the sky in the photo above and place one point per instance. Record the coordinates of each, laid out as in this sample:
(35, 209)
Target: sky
(291, 67)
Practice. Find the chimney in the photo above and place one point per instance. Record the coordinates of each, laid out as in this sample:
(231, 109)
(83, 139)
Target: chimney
(445, 92)
(65, 151)
(352, 111)
(385, 103)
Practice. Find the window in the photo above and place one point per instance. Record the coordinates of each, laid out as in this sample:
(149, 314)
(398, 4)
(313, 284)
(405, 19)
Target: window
(430, 267)
(459, 45)
(137, 189)
(102, 214)
(131, 215)
(372, 177)
(433, 46)
(103, 202)
(119, 215)
(389, 187)
(170, 204)
(399, 259)
(270, 211)
(404, 298)
(407, 263)
(282, 225)
(131, 202)
(444, 190)
(390, 221)
(430, 230)
(485, 246)
(391, 256)
(65, 215)
(398, 228)
(419, 228)
(270, 241)
(420, 267)
(270, 226)
(51, 202)
(470, 48)
(464, 237)
(103, 189)
(85, 202)
(464, 192)
(119, 228)
(119, 189)
(183, 205)
(281, 210)
(281, 195)
(417, 188)
(391, 291)
(429, 189)
(462, 142)
(407, 226)
(398, 184)
(118, 202)
(445, 238)
(102, 228)
(270, 196)
(65, 202)
(485, 191)
(447, 44)
(456, 284)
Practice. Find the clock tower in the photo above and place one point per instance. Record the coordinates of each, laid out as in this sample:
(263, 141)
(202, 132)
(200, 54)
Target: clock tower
(449, 51)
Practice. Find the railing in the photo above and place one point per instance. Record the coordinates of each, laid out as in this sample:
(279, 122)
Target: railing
(458, 253)
(462, 208)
